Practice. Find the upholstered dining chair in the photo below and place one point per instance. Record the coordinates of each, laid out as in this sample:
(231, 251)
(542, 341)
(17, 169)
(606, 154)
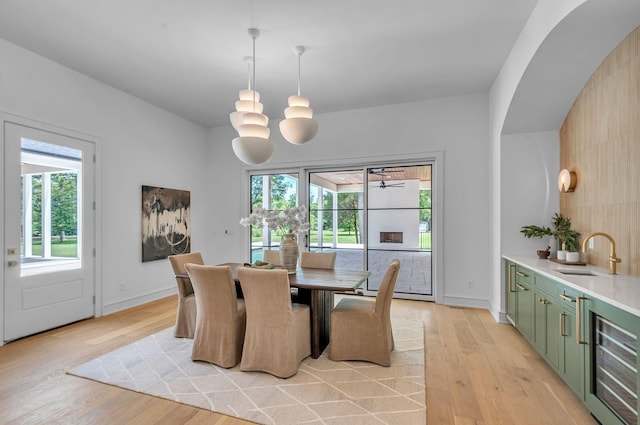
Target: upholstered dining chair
(361, 329)
(278, 334)
(318, 260)
(221, 318)
(186, 315)
(271, 256)
(314, 260)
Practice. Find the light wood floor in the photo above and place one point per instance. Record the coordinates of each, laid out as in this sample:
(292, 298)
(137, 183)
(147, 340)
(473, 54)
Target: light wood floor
(478, 372)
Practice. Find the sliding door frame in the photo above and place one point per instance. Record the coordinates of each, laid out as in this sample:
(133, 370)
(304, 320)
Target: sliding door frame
(435, 159)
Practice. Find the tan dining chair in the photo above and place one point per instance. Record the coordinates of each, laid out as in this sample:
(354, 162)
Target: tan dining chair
(318, 260)
(271, 256)
(361, 329)
(186, 314)
(278, 334)
(313, 260)
(221, 318)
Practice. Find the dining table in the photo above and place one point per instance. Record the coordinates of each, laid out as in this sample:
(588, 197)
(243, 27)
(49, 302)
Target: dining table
(316, 288)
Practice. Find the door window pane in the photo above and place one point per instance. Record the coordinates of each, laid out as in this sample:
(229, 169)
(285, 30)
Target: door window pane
(272, 192)
(50, 209)
(399, 226)
(336, 212)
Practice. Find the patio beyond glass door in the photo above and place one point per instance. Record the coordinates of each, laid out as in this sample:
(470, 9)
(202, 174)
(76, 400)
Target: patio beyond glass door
(372, 215)
(367, 215)
(336, 216)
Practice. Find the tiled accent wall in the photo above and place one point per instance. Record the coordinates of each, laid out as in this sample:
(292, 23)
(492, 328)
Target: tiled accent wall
(600, 141)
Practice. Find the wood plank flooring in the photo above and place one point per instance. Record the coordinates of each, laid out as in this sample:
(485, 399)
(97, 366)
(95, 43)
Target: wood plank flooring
(478, 372)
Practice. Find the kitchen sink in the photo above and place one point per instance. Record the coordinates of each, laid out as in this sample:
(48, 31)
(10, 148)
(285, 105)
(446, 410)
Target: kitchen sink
(577, 272)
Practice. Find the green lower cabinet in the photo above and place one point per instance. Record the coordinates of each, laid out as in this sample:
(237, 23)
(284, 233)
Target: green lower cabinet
(593, 346)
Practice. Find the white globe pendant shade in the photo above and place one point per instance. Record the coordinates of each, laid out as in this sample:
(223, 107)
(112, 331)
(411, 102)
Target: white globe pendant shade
(253, 150)
(252, 146)
(298, 127)
(298, 130)
(244, 105)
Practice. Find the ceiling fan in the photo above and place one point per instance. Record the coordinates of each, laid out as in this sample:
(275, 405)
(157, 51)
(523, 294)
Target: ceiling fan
(381, 172)
(383, 185)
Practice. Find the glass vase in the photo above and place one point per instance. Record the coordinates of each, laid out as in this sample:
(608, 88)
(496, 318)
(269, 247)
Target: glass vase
(289, 252)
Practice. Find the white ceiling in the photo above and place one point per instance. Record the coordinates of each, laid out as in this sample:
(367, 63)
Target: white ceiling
(187, 56)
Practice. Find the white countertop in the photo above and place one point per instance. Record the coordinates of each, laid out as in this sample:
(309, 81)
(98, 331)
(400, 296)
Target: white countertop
(619, 290)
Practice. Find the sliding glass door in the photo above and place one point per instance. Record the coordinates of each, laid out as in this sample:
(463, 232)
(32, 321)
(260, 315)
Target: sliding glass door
(368, 215)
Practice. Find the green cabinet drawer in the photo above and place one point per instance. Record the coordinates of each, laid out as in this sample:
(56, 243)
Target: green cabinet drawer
(523, 275)
(547, 285)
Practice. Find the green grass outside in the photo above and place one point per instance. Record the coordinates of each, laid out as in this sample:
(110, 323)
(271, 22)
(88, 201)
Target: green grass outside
(68, 248)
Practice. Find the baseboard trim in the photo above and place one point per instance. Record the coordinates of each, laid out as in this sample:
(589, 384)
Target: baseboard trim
(136, 301)
(465, 302)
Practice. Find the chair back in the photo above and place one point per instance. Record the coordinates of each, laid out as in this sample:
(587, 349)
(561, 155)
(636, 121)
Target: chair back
(271, 256)
(385, 293)
(318, 260)
(215, 291)
(266, 294)
(177, 263)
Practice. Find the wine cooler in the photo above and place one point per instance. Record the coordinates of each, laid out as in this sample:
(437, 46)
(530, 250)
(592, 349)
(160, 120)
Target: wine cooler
(615, 373)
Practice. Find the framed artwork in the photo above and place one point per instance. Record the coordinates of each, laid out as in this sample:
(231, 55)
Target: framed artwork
(166, 222)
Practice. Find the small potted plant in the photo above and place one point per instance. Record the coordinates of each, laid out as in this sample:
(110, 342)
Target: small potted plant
(560, 231)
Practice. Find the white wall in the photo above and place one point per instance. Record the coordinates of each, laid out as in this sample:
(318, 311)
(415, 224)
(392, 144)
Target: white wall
(139, 145)
(405, 221)
(457, 126)
(529, 188)
(545, 16)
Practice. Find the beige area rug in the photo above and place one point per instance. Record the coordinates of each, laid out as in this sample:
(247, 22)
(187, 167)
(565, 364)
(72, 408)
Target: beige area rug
(322, 392)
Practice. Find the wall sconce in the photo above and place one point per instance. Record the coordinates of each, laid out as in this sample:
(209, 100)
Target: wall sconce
(567, 180)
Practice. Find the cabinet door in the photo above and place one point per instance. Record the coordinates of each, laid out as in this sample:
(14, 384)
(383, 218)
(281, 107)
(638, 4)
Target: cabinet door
(524, 310)
(572, 346)
(547, 327)
(571, 353)
(510, 287)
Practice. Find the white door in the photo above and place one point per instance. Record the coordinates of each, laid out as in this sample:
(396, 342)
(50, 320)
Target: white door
(49, 230)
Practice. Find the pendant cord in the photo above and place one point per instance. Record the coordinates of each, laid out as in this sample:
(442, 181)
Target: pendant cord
(299, 74)
(249, 75)
(254, 73)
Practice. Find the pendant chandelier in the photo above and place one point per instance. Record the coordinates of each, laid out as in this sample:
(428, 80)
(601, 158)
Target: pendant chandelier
(252, 146)
(298, 127)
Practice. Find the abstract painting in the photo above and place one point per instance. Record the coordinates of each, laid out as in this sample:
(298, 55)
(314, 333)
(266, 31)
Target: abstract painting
(166, 223)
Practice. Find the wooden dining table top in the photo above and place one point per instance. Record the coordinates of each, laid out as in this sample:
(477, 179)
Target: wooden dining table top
(319, 279)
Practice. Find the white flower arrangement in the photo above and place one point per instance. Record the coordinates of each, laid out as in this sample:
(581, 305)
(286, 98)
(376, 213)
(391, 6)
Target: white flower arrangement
(291, 220)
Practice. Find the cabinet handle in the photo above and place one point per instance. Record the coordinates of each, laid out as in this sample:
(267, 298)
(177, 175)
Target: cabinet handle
(579, 321)
(522, 274)
(521, 287)
(543, 300)
(511, 267)
(562, 325)
(564, 297)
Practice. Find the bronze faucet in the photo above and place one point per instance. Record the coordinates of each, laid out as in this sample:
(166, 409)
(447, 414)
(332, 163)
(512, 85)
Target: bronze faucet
(613, 260)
